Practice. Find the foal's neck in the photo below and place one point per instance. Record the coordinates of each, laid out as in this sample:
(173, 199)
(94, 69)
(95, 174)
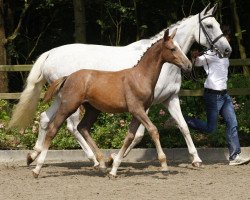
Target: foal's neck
(150, 65)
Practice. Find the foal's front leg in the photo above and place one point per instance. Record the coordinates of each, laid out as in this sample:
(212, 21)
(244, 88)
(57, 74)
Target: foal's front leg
(128, 139)
(138, 137)
(153, 132)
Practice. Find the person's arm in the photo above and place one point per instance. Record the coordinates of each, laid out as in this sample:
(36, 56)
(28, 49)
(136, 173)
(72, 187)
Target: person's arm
(197, 58)
(200, 61)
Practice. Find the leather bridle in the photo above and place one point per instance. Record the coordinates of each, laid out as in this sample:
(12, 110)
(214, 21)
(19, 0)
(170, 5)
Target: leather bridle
(210, 41)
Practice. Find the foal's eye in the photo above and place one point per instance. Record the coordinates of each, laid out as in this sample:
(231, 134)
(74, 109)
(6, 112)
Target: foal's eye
(173, 49)
(209, 26)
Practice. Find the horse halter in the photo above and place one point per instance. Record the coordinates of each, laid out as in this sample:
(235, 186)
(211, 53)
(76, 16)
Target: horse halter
(210, 41)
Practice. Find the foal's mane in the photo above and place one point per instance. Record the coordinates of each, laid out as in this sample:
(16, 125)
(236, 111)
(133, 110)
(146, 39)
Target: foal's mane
(156, 38)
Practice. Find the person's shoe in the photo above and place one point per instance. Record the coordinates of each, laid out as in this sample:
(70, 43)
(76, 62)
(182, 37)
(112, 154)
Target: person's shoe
(239, 160)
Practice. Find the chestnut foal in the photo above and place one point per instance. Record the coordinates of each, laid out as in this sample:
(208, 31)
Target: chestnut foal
(130, 90)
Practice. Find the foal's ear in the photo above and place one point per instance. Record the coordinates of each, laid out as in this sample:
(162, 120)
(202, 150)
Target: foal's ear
(173, 34)
(166, 35)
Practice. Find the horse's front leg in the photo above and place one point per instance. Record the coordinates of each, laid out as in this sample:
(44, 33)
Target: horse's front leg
(72, 123)
(45, 118)
(173, 106)
(127, 142)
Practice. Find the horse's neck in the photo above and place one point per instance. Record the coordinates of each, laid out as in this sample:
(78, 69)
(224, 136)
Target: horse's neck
(185, 33)
(185, 38)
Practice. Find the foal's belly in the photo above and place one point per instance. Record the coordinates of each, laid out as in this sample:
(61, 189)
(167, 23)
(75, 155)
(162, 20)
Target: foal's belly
(108, 101)
(107, 95)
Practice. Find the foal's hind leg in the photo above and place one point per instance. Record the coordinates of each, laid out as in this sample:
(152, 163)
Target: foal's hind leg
(72, 123)
(90, 116)
(45, 118)
(53, 127)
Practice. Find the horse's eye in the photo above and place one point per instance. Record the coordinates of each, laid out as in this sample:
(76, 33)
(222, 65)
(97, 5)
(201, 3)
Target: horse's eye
(209, 26)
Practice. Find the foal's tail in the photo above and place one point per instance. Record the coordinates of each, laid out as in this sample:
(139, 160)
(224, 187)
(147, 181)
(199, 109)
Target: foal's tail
(54, 88)
(26, 107)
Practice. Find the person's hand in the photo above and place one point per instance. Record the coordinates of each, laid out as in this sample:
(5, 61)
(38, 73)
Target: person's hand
(195, 54)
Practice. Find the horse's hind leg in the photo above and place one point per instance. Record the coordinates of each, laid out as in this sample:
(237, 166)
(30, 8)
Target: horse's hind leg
(45, 118)
(72, 123)
(173, 106)
(90, 116)
(127, 141)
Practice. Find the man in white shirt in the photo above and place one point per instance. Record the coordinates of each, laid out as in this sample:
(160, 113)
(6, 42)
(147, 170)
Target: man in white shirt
(218, 101)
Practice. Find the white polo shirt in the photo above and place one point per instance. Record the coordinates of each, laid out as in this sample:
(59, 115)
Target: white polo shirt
(216, 69)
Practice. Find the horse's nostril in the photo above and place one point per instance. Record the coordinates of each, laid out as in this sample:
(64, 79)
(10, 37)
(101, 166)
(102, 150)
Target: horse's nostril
(227, 50)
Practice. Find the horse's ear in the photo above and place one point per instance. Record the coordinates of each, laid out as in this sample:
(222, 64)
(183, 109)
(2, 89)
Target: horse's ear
(166, 35)
(173, 34)
(204, 12)
(213, 9)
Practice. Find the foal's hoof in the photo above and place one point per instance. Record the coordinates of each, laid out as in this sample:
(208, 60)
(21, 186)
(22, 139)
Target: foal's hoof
(29, 160)
(96, 167)
(110, 161)
(197, 164)
(111, 158)
(103, 169)
(35, 175)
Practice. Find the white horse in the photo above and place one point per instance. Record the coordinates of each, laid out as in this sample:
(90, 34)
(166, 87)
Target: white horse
(64, 60)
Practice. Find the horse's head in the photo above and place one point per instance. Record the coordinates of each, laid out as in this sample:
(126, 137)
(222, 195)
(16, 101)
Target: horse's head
(209, 34)
(172, 53)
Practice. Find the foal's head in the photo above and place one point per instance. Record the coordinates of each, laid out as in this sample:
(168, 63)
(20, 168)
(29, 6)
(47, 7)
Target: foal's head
(172, 53)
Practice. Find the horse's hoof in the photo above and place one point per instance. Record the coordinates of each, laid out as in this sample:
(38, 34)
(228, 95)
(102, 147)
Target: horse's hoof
(29, 160)
(197, 164)
(35, 175)
(111, 176)
(165, 173)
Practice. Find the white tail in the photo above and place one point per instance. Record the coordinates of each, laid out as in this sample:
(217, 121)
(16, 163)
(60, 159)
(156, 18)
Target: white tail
(26, 107)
